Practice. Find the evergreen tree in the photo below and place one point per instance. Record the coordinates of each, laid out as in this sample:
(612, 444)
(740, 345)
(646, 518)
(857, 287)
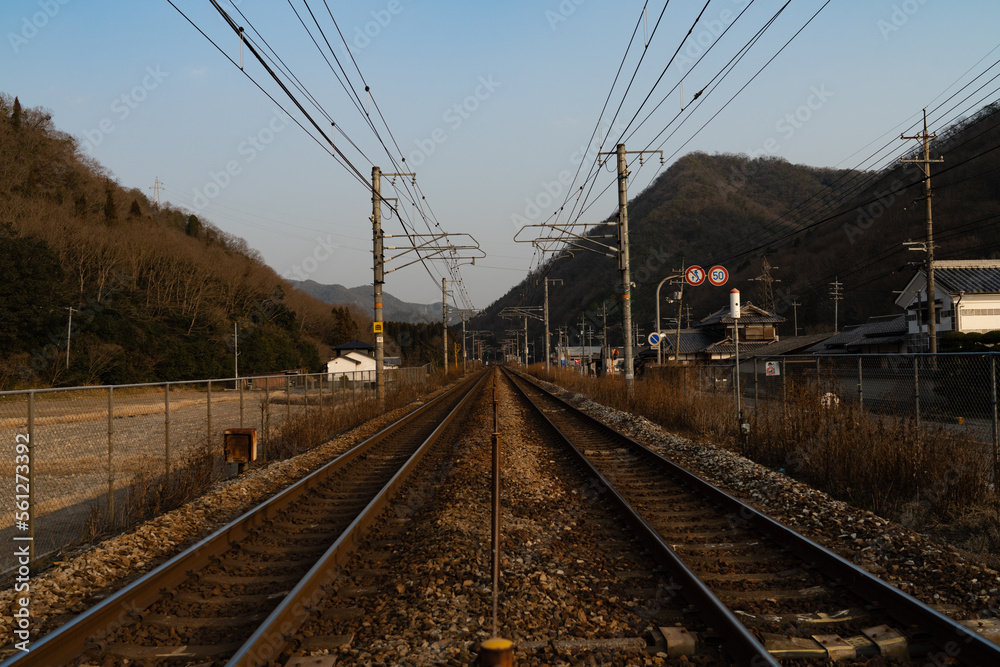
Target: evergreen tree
(15, 116)
(110, 210)
(134, 211)
(345, 328)
(193, 227)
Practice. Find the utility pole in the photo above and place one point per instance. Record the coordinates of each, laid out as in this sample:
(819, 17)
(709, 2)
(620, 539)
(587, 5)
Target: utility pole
(69, 331)
(605, 350)
(836, 291)
(547, 335)
(590, 346)
(623, 258)
(734, 314)
(926, 161)
(525, 341)
(623, 253)
(379, 253)
(680, 312)
(444, 319)
(795, 316)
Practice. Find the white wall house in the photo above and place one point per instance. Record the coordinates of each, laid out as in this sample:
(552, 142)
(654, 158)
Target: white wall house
(353, 365)
(966, 297)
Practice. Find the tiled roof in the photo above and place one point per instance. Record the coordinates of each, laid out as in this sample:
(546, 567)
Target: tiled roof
(971, 277)
(692, 340)
(354, 345)
(749, 314)
(881, 330)
(747, 348)
(789, 345)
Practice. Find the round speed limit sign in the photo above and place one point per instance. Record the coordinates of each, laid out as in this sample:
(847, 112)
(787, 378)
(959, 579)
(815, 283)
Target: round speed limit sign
(718, 275)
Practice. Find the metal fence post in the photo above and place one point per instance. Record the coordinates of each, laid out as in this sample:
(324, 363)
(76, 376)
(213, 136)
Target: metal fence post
(239, 384)
(305, 391)
(916, 392)
(288, 397)
(861, 395)
(784, 384)
(111, 450)
(166, 431)
(755, 392)
(208, 404)
(265, 414)
(321, 393)
(996, 440)
(31, 476)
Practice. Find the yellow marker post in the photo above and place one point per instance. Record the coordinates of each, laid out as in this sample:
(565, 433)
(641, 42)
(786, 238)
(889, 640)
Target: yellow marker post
(496, 652)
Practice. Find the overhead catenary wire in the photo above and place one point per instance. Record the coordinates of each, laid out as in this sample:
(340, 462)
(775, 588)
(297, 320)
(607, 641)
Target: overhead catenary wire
(273, 63)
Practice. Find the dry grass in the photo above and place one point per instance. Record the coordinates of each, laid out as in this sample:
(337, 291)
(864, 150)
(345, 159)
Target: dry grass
(924, 478)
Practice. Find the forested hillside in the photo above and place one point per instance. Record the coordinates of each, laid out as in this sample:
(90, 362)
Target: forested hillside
(814, 225)
(154, 291)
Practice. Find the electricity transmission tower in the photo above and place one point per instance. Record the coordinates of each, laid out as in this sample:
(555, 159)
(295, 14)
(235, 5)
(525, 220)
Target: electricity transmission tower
(765, 282)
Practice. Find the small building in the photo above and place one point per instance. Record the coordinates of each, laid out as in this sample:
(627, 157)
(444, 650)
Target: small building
(692, 343)
(355, 360)
(883, 334)
(756, 328)
(966, 299)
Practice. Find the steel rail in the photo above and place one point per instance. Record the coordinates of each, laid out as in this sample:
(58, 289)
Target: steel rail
(740, 643)
(91, 628)
(279, 628)
(955, 640)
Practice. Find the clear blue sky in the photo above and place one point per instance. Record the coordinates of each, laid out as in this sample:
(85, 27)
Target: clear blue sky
(155, 99)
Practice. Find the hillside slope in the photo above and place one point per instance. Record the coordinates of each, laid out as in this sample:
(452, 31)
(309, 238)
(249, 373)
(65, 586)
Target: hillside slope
(154, 291)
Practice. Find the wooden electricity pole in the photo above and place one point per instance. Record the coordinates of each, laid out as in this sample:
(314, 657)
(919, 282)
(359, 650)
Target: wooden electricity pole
(546, 315)
(925, 163)
(444, 319)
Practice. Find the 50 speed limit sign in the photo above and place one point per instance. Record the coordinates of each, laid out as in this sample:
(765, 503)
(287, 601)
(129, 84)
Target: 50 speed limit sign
(718, 275)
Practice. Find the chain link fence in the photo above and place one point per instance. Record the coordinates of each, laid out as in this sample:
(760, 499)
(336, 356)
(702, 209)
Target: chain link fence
(955, 392)
(83, 457)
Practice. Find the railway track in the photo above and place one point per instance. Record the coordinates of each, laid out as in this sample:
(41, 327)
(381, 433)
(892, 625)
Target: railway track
(762, 593)
(237, 596)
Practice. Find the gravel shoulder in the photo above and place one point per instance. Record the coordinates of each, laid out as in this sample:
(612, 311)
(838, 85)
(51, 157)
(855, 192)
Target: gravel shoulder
(932, 571)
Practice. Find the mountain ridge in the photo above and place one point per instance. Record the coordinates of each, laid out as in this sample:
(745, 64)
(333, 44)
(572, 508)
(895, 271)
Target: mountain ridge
(394, 310)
